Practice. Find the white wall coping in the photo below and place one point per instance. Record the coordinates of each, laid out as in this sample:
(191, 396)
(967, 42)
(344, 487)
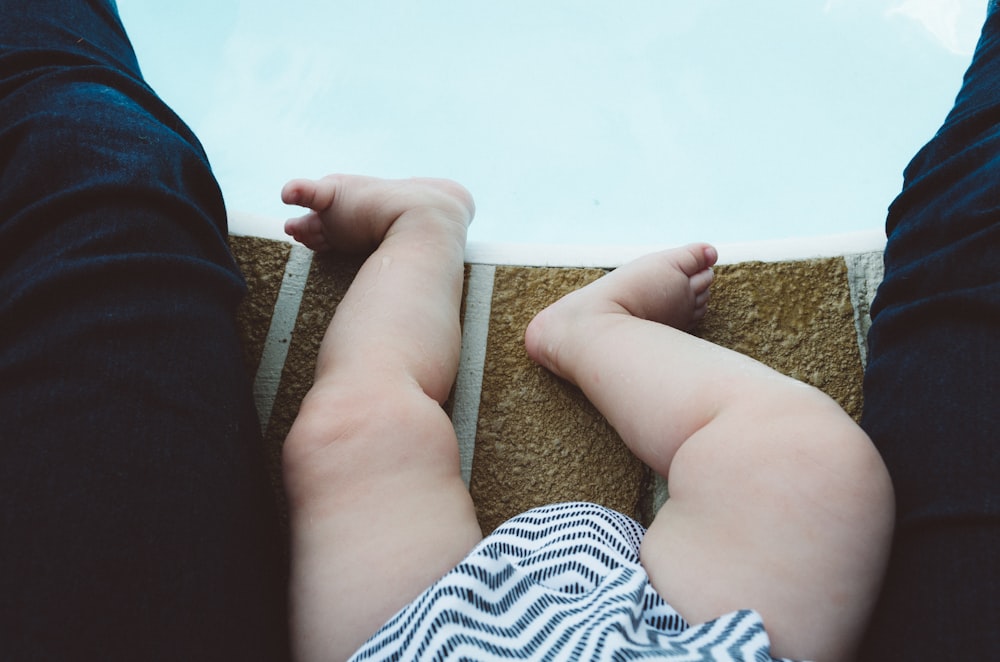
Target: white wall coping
(609, 256)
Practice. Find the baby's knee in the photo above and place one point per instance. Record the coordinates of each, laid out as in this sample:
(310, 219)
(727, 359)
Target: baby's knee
(350, 433)
(800, 450)
(838, 460)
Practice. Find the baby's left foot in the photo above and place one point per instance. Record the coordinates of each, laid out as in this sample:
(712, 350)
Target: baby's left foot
(670, 287)
(353, 214)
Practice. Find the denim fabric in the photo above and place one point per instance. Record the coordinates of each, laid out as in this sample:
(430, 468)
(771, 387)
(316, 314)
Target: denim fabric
(136, 517)
(932, 386)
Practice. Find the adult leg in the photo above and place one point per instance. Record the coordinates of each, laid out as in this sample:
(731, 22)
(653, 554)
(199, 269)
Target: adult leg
(378, 507)
(778, 502)
(933, 380)
(136, 515)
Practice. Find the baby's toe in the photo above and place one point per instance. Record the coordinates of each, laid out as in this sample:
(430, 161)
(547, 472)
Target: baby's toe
(702, 281)
(696, 258)
(307, 230)
(308, 193)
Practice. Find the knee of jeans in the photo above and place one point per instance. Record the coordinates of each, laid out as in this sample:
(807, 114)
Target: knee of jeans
(104, 131)
(93, 170)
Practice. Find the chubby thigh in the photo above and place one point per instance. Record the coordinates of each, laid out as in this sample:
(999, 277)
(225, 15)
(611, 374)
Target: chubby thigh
(781, 505)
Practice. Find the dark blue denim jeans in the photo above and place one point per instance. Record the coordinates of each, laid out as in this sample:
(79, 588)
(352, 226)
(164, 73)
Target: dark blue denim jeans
(136, 517)
(932, 387)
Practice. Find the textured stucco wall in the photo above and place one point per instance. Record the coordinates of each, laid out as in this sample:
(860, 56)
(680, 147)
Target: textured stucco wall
(532, 438)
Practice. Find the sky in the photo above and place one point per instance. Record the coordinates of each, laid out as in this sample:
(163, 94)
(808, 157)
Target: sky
(571, 121)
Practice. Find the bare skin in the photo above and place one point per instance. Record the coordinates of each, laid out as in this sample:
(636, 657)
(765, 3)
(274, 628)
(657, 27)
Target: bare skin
(778, 501)
(377, 504)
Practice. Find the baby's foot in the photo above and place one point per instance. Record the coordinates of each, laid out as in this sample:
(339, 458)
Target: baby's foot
(353, 214)
(670, 287)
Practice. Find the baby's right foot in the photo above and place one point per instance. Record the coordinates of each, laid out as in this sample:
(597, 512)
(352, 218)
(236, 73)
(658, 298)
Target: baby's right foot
(670, 287)
(353, 214)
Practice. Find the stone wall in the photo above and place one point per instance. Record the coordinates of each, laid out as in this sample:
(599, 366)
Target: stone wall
(526, 437)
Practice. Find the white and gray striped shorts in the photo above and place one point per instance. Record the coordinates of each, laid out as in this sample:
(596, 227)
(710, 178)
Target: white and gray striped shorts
(561, 582)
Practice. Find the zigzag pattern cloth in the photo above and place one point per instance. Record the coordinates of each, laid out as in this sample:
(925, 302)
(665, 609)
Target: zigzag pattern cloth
(561, 582)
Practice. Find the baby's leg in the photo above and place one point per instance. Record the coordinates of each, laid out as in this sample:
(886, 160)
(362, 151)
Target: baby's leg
(778, 502)
(378, 507)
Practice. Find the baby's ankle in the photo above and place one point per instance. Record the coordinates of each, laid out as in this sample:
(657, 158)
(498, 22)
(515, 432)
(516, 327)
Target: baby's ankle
(549, 337)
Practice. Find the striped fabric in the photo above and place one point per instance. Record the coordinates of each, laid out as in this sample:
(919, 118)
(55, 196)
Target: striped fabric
(561, 582)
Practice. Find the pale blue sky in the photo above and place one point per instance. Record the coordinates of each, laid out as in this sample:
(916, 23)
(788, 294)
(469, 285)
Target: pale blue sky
(572, 121)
